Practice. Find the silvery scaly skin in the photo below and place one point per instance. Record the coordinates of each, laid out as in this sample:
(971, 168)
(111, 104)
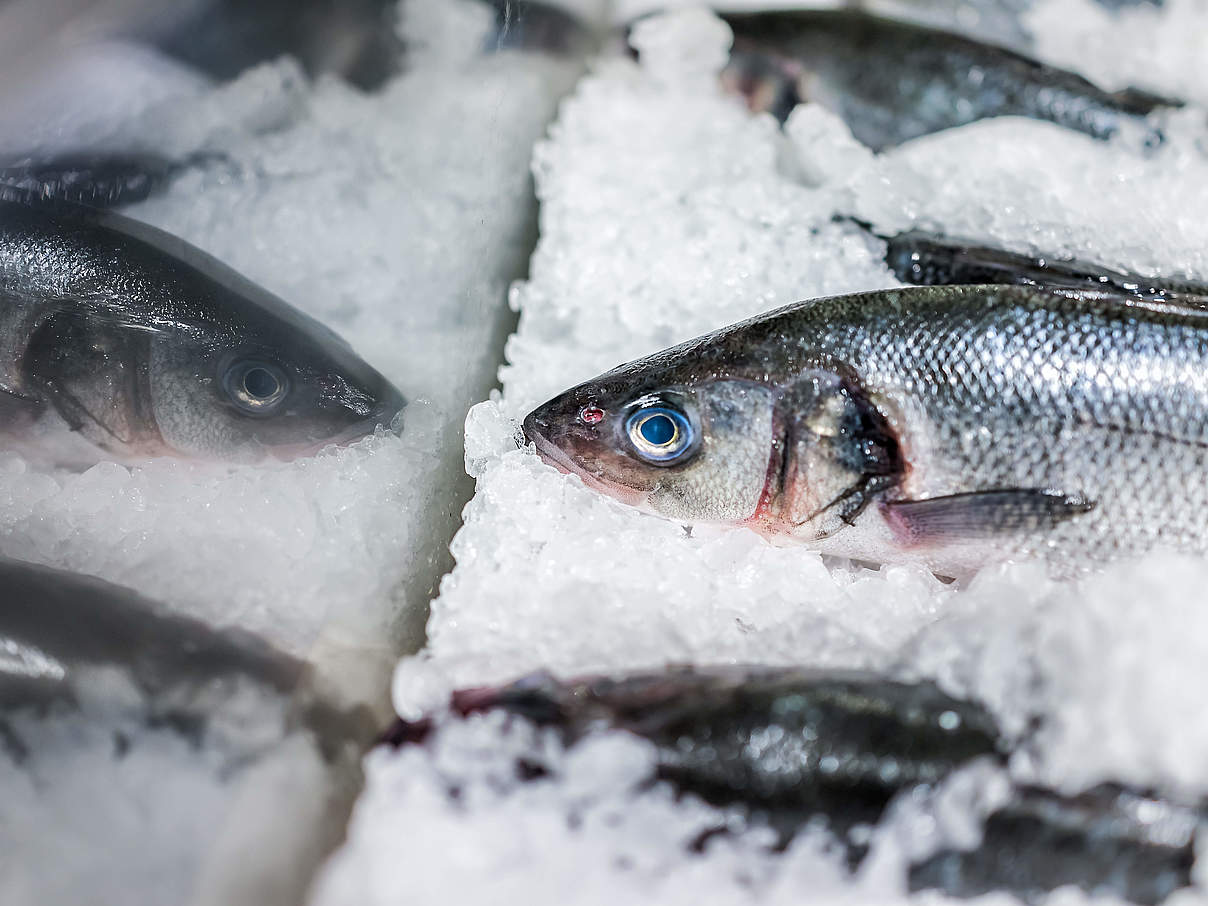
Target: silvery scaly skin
(892, 81)
(948, 426)
(144, 346)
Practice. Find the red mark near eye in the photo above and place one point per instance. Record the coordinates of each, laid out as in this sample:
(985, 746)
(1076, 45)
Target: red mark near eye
(591, 415)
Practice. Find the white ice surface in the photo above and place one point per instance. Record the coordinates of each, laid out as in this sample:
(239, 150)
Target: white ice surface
(1159, 48)
(668, 211)
(398, 219)
(103, 808)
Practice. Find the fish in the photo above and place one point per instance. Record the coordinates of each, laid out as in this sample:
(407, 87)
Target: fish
(356, 40)
(926, 259)
(119, 718)
(950, 426)
(793, 748)
(1110, 841)
(58, 628)
(836, 744)
(893, 81)
(120, 341)
(529, 25)
(94, 178)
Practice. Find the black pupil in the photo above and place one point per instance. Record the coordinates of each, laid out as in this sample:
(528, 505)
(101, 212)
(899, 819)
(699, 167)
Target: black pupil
(658, 430)
(260, 383)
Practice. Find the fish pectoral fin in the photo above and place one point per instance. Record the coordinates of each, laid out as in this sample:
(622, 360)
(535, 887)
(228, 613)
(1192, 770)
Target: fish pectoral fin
(981, 514)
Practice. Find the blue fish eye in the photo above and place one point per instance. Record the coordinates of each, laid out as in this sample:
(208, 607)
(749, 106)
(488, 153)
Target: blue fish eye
(660, 434)
(658, 430)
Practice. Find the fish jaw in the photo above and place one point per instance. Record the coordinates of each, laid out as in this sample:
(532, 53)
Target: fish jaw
(538, 431)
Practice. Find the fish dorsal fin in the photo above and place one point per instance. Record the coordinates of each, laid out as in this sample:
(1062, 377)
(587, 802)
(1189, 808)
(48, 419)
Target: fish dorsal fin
(94, 179)
(1171, 304)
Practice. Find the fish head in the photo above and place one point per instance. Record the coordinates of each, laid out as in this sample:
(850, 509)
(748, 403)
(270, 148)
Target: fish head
(256, 394)
(661, 435)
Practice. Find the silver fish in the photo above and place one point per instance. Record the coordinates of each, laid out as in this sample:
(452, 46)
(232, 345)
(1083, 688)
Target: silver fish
(949, 426)
(145, 346)
(892, 81)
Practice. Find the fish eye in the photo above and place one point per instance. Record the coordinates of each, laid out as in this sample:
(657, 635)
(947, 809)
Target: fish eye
(255, 387)
(660, 434)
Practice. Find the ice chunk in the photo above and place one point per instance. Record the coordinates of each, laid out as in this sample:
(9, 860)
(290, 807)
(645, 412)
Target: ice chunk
(59, 101)
(1107, 671)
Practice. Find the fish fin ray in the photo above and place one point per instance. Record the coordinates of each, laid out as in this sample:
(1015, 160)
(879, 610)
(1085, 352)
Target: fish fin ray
(981, 514)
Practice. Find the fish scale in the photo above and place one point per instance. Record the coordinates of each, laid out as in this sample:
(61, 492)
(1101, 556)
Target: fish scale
(1010, 358)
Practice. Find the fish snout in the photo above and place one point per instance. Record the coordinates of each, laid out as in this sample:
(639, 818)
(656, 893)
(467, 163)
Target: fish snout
(535, 427)
(389, 410)
(545, 431)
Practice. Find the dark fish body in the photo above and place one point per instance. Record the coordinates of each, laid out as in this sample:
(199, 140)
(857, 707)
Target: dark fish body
(951, 426)
(357, 40)
(790, 743)
(1109, 841)
(134, 742)
(893, 81)
(796, 747)
(542, 27)
(57, 629)
(146, 346)
(93, 179)
(925, 259)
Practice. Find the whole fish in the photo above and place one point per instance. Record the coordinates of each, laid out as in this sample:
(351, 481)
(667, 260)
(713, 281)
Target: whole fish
(892, 81)
(949, 426)
(145, 346)
(358, 40)
(789, 744)
(97, 180)
(793, 747)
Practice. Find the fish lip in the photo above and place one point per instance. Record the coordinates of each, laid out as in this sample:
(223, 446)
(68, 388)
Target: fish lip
(349, 436)
(547, 450)
(553, 455)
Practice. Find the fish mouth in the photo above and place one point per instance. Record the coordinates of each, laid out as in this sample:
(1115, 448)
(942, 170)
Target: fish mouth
(384, 417)
(554, 455)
